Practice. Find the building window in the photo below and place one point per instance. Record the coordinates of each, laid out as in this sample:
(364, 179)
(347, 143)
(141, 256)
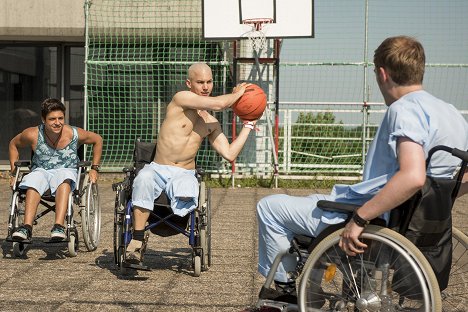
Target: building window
(30, 74)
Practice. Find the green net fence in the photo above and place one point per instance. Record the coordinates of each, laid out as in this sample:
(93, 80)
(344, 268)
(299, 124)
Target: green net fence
(137, 57)
(138, 52)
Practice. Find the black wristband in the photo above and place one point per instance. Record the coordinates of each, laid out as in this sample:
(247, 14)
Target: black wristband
(358, 220)
(96, 167)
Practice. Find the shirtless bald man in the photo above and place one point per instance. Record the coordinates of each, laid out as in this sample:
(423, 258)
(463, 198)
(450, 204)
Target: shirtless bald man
(186, 124)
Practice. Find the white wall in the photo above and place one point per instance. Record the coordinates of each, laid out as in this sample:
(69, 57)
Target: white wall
(42, 20)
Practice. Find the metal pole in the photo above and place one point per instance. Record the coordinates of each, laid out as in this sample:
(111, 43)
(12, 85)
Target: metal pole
(277, 63)
(234, 74)
(85, 106)
(365, 94)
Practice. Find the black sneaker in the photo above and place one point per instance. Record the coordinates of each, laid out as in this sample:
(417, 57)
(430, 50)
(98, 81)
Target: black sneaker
(22, 233)
(58, 232)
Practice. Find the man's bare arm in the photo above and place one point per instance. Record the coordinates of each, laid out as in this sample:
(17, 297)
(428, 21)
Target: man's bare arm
(221, 144)
(190, 100)
(88, 137)
(23, 139)
(405, 183)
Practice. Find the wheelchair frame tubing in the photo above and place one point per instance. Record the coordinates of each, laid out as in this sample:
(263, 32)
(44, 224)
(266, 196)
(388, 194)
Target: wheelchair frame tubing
(69, 216)
(12, 212)
(192, 228)
(127, 233)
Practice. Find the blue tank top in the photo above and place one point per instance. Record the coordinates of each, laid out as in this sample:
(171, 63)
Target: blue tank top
(48, 158)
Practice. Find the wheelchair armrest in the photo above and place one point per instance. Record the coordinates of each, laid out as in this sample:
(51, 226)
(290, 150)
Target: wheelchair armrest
(200, 171)
(23, 163)
(116, 186)
(329, 205)
(460, 154)
(84, 164)
(302, 241)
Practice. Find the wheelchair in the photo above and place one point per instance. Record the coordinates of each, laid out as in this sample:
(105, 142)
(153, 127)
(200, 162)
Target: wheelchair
(416, 262)
(196, 225)
(85, 199)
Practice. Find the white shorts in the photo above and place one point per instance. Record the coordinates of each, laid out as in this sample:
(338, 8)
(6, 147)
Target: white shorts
(41, 180)
(180, 185)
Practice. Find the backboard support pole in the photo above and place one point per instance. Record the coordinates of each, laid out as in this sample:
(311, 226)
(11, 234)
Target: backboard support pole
(273, 123)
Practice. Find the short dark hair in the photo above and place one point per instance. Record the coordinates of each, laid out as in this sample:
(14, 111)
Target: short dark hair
(403, 57)
(50, 105)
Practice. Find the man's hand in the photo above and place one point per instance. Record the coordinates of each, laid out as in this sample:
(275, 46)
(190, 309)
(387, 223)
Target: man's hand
(349, 241)
(240, 88)
(93, 176)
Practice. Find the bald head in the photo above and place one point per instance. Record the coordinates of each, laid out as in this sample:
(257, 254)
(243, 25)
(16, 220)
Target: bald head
(198, 69)
(200, 79)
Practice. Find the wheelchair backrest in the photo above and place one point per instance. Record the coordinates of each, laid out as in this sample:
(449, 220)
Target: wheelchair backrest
(426, 218)
(433, 203)
(143, 154)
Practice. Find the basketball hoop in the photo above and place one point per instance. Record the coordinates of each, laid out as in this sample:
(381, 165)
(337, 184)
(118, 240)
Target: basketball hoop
(257, 34)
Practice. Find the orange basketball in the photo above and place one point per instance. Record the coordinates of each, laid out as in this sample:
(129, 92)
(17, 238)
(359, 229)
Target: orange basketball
(251, 104)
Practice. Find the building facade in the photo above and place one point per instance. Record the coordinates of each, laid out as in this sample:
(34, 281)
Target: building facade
(41, 55)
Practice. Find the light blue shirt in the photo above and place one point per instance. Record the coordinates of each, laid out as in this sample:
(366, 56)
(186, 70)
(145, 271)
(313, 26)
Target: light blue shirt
(420, 117)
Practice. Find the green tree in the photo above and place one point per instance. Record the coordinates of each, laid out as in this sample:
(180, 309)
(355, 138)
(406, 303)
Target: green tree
(320, 139)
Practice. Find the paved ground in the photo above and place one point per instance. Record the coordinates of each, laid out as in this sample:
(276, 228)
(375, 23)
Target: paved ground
(91, 281)
(47, 280)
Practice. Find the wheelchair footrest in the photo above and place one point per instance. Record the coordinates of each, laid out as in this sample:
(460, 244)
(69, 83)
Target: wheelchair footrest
(275, 295)
(23, 241)
(57, 241)
(278, 305)
(135, 266)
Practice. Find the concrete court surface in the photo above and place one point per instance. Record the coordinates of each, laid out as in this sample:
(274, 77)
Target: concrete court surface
(47, 280)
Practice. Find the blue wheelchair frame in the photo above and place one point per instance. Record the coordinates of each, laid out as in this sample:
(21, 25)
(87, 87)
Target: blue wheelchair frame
(166, 223)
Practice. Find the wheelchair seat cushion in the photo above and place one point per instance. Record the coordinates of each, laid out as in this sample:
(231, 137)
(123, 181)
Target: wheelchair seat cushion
(42, 180)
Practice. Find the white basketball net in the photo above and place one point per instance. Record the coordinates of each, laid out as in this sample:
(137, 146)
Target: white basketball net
(257, 36)
(257, 40)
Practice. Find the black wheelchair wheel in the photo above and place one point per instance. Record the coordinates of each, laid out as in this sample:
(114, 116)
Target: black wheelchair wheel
(73, 243)
(455, 296)
(391, 274)
(15, 220)
(204, 227)
(118, 238)
(208, 227)
(19, 249)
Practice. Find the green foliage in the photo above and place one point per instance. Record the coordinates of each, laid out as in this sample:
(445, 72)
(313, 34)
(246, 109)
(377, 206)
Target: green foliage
(320, 139)
(268, 182)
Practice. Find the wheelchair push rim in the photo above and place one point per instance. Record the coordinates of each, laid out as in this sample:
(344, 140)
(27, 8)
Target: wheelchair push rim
(204, 228)
(455, 296)
(91, 216)
(371, 281)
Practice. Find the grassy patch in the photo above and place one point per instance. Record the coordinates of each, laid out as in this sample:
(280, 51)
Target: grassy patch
(268, 183)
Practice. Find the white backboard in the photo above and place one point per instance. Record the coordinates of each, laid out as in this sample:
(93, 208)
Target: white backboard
(222, 19)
